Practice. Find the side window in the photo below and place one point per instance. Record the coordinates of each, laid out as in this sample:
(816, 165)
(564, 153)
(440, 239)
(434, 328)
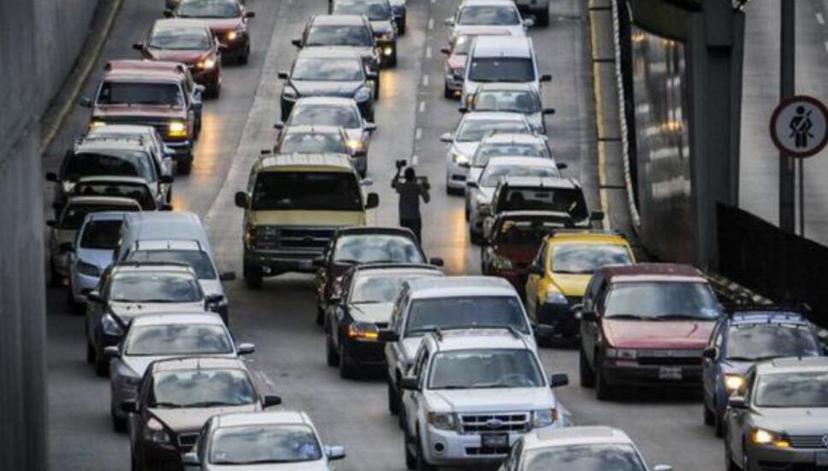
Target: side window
(718, 336)
(399, 313)
(748, 387)
(600, 297)
(541, 255)
(423, 370)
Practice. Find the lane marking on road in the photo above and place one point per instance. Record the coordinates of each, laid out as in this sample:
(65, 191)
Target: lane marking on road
(422, 106)
(425, 80)
(418, 134)
(820, 19)
(415, 159)
(428, 52)
(262, 377)
(431, 23)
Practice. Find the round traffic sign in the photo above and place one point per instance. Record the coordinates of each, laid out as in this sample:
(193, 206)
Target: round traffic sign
(799, 126)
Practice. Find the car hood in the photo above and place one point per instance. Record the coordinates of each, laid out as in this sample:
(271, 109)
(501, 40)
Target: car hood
(320, 88)
(186, 57)
(139, 364)
(101, 258)
(307, 218)
(492, 400)
(572, 285)
(221, 25)
(410, 345)
(354, 133)
(381, 27)
(457, 61)
(363, 51)
(657, 334)
(138, 111)
(211, 287)
(376, 313)
(191, 420)
(466, 148)
(128, 311)
(793, 421)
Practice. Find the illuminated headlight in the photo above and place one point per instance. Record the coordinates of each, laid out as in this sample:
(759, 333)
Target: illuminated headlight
(387, 50)
(459, 158)
(363, 94)
(110, 326)
(555, 297)
(154, 432)
(544, 417)
(761, 436)
(250, 235)
(501, 263)
(622, 353)
(96, 124)
(232, 35)
(88, 269)
(68, 186)
(177, 129)
(289, 93)
(442, 421)
(363, 331)
(206, 64)
(355, 145)
(733, 382)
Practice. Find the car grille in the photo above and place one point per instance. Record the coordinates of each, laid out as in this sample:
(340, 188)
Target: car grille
(486, 450)
(501, 422)
(187, 440)
(670, 357)
(809, 441)
(307, 239)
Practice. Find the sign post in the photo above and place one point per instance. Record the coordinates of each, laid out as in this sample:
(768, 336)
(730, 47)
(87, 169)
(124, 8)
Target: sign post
(799, 129)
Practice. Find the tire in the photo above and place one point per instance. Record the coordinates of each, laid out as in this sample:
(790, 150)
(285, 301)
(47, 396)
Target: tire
(74, 307)
(447, 93)
(401, 26)
(184, 166)
(422, 464)
(346, 369)
(377, 87)
(393, 61)
(118, 425)
(253, 277)
(543, 17)
(90, 353)
(603, 391)
(730, 465)
(586, 373)
(55, 280)
(101, 365)
(244, 58)
(709, 416)
(410, 458)
(331, 355)
(215, 91)
(718, 425)
(393, 400)
(475, 239)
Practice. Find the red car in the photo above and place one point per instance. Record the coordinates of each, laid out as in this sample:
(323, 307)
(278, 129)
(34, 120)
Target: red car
(512, 242)
(227, 19)
(645, 325)
(189, 42)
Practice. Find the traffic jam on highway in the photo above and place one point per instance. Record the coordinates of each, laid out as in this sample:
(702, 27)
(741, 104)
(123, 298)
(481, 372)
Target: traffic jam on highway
(461, 355)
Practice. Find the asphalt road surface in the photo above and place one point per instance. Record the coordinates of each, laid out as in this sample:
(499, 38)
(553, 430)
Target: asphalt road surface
(411, 115)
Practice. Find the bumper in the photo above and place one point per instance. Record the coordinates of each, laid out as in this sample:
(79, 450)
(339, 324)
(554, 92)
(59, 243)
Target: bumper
(455, 175)
(454, 84)
(275, 262)
(464, 449)
(768, 458)
(209, 77)
(158, 457)
(476, 219)
(652, 375)
(366, 353)
(82, 284)
(387, 50)
(237, 48)
(182, 150)
(121, 393)
(556, 320)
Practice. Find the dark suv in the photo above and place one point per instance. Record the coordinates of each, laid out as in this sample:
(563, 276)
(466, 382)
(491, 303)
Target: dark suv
(347, 32)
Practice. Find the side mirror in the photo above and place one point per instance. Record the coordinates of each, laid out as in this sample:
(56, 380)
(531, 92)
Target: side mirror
(549, 111)
(168, 13)
(250, 14)
(278, 125)
(241, 200)
(463, 109)
(373, 201)
(558, 380)
(410, 383)
(138, 46)
(710, 353)
(436, 261)
(596, 216)
(319, 262)
(737, 402)
(445, 50)
(66, 247)
(112, 352)
(529, 22)
(51, 177)
(227, 276)
(283, 75)
(545, 78)
(472, 184)
(335, 452)
(446, 137)
(86, 102)
(270, 401)
(94, 296)
(370, 127)
(130, 407)
(245, 348)
(387, 335)
(190, 459)
(297, 42)
(561, 166)
(165, 179)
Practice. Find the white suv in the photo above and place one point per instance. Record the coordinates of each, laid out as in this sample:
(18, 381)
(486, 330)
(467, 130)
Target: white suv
(471, 394)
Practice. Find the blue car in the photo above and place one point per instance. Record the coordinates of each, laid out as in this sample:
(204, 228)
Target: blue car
(741, 340)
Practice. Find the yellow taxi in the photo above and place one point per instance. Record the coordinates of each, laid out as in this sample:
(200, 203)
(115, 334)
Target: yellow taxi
(559, 275)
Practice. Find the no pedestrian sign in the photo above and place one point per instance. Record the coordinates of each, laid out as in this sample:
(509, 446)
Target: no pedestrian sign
(799, 126)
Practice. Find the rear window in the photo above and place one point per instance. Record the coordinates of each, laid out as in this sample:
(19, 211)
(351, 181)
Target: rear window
(323, 115)
(332, 191)
(139, 193)
(489, 15)
(425, 315)
(116, 163)
(757, 342)
(501, 69)
(339, 35)
(570, 201)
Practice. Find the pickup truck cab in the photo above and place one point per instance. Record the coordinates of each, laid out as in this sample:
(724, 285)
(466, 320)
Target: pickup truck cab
(293, 205)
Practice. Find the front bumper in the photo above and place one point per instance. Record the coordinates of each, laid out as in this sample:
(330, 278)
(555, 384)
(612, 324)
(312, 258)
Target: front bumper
(465, 449)
(631, 373)
(236, 48)
(556, 320)
(387, 51)
(454, 83)
(762, 458)
(182, 150)
(275, 262)
(455, 175)
(365, 352)
(208, 77)
(120, 393)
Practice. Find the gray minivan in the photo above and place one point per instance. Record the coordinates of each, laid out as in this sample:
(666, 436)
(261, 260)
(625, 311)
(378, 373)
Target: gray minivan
(509, 59)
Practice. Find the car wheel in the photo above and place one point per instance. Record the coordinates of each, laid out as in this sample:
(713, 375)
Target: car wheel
(244, 58)
(90, 353)
(74, 307)
(586, 373)
(101, 363)
(346, 369)
(543, 18)
(377, 88)
(119, 425)
(392, 62)
(215, 91)
(474, 237)
(393, 400)
(447, 93)
(331, 354)
(184, 166)
(253, 277)
(55, 280)
(410, 458)
(718, 425)
(422, 464)
(603, 391)
(401, 26)
(709, 417)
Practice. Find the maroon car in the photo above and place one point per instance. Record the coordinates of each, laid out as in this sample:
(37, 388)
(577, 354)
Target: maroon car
(189, 42)
(645, 325)
(227, 19)
(512, 242)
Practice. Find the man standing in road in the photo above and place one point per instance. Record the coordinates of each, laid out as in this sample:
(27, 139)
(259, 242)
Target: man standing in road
(411, 189)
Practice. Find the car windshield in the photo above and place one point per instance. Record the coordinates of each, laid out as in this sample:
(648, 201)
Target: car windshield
(328, 69)
(489, 368)
(101, 235)
(754, 342)
(488, 15)
(154, 288)
(380, 288)
(492, 175)
(584, 259)
(593, 457)
(501, 69)
(527, 232)
(74, 214)
(262, 444)
(530, 149)
(332, 191)
(662, 300)
(426, 315)
(180, 39)
(376, 248)
(339, 35)
(197, 259)
(801, 389)
(141, 93)
(208, 9)
(201, 388)
(140, 193)
(312, 143)
(325, 115)
(115, 163)
(375, 10)
(177, 340)
(565, 200)
(521, 101)
(473, 130)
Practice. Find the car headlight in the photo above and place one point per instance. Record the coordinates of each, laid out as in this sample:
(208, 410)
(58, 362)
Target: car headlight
(555, 297)
(442, 421)
(68, 186)
(363, 331)
(733, 382)
(459, 158)
(177, 129)
(289, 93)
(544, 417)
(354, 144)
(154, 432)
(232, 35)
(110, 326)
(387, 50)
(96, 124)
(501, 263)
(622, 353)
(363, 94)
(761, 436)
(88, 269)
(206, 64)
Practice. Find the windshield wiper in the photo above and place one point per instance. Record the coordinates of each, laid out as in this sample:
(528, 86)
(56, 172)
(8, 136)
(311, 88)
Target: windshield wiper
(167, 405)
(211, 404)
(680, 316)
(628, 316)
(455, 386)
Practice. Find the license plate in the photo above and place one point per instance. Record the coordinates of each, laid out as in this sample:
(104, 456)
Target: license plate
(669, 372)
(822, 459)
(495, 440)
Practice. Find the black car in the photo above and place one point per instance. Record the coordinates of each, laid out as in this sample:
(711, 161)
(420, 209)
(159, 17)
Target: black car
(359, 245)
(383, 24)
(328, 72)
(363, 307)
(347, 32)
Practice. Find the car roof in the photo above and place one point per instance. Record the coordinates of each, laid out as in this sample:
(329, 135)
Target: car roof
(396, 268)
(586, 237)
(118, 131)
(653, 272)
(165, 225)
(493, 115)
(512, 138)
(502, 46)
(101, 200)
(486, 2)
(583, 435)
(270, 417)
(144, 70)
(452, 286)
(312, 129)
(193, 363)
(329, 52)
(338, 19)
(325, 100)
(328, 161)
(540, 182)
(532, 213)
(793, 365)
(520, 161)
(122, 141)
(174, 318)
(478, 338)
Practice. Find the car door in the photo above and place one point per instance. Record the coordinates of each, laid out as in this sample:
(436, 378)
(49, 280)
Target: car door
(591, 329)
(710, 368)
(534, 280)
(412, 398)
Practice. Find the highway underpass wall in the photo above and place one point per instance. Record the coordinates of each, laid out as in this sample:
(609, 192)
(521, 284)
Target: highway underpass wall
(39, 42)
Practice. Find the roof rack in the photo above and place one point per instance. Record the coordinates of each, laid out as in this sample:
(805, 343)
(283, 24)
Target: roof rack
(110, 137)
(793, 308)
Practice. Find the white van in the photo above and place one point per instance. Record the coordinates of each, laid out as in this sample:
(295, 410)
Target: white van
(509, 59)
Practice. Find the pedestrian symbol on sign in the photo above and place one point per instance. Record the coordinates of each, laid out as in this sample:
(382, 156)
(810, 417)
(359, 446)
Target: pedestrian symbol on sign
(801, 125)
